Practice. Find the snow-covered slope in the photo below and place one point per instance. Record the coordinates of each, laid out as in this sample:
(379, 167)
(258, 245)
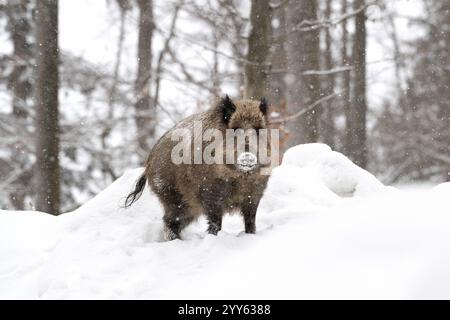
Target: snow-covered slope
(326, 229)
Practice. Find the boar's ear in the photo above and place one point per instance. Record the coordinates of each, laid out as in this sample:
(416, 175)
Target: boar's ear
(227, 108)
(264, 106)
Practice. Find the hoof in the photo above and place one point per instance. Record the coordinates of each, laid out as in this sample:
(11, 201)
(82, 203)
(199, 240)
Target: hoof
(169, 235)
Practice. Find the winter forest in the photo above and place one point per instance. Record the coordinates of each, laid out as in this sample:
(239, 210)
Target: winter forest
(356, 90)
(86, 87)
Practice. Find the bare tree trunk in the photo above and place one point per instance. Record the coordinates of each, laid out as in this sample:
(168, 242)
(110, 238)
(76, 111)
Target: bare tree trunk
(256, 71)
(46, 99)
(115, 80)
(327, 125)
(145, 111)
(445, 101)
(215, 70)
(164, 51)
(346, 78)
(278, 62)
(358, 146)
(239, 43)
(302, 55)
(124, 6)
(398, 61)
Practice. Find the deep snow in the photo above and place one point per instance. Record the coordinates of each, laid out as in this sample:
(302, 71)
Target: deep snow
(326, 229)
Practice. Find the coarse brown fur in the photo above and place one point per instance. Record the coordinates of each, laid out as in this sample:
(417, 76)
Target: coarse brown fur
(188, 190)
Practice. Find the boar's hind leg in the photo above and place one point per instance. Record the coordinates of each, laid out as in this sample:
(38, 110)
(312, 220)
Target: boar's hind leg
(176, 214)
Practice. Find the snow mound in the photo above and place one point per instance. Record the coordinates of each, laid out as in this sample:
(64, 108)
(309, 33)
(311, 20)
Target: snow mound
(442, 190)
(337, 172)
(313, 176)
(143, 220)
(311, 242)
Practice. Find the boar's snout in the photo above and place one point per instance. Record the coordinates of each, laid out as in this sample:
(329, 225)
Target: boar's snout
(247, 161)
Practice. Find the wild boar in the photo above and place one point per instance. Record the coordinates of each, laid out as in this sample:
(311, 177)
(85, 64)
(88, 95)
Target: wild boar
(187, 190)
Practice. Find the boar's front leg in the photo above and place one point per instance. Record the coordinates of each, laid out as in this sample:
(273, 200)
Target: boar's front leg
(212, 202)
(214, 221)
(214, 213)
(249, 213)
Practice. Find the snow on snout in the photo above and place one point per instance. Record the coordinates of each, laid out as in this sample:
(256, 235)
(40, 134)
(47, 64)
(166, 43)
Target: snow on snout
(247, 161)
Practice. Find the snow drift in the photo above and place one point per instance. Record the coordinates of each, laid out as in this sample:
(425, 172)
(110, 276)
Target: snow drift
(325, 229)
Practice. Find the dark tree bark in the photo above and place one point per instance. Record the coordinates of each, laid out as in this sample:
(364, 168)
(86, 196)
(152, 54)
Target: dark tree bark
(302, 55)
(256, 70)
(46, 99)
(145, 111)
(327, 125)
(357, 131)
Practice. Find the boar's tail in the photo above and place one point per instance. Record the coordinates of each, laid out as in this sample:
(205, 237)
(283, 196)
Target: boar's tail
(137, 192)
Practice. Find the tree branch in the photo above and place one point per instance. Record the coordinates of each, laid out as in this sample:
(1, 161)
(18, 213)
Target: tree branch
(305, 110)
(164, 51)
(307, 25)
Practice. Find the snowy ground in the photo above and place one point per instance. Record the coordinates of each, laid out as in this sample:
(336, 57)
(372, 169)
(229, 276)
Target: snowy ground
(326, 229)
